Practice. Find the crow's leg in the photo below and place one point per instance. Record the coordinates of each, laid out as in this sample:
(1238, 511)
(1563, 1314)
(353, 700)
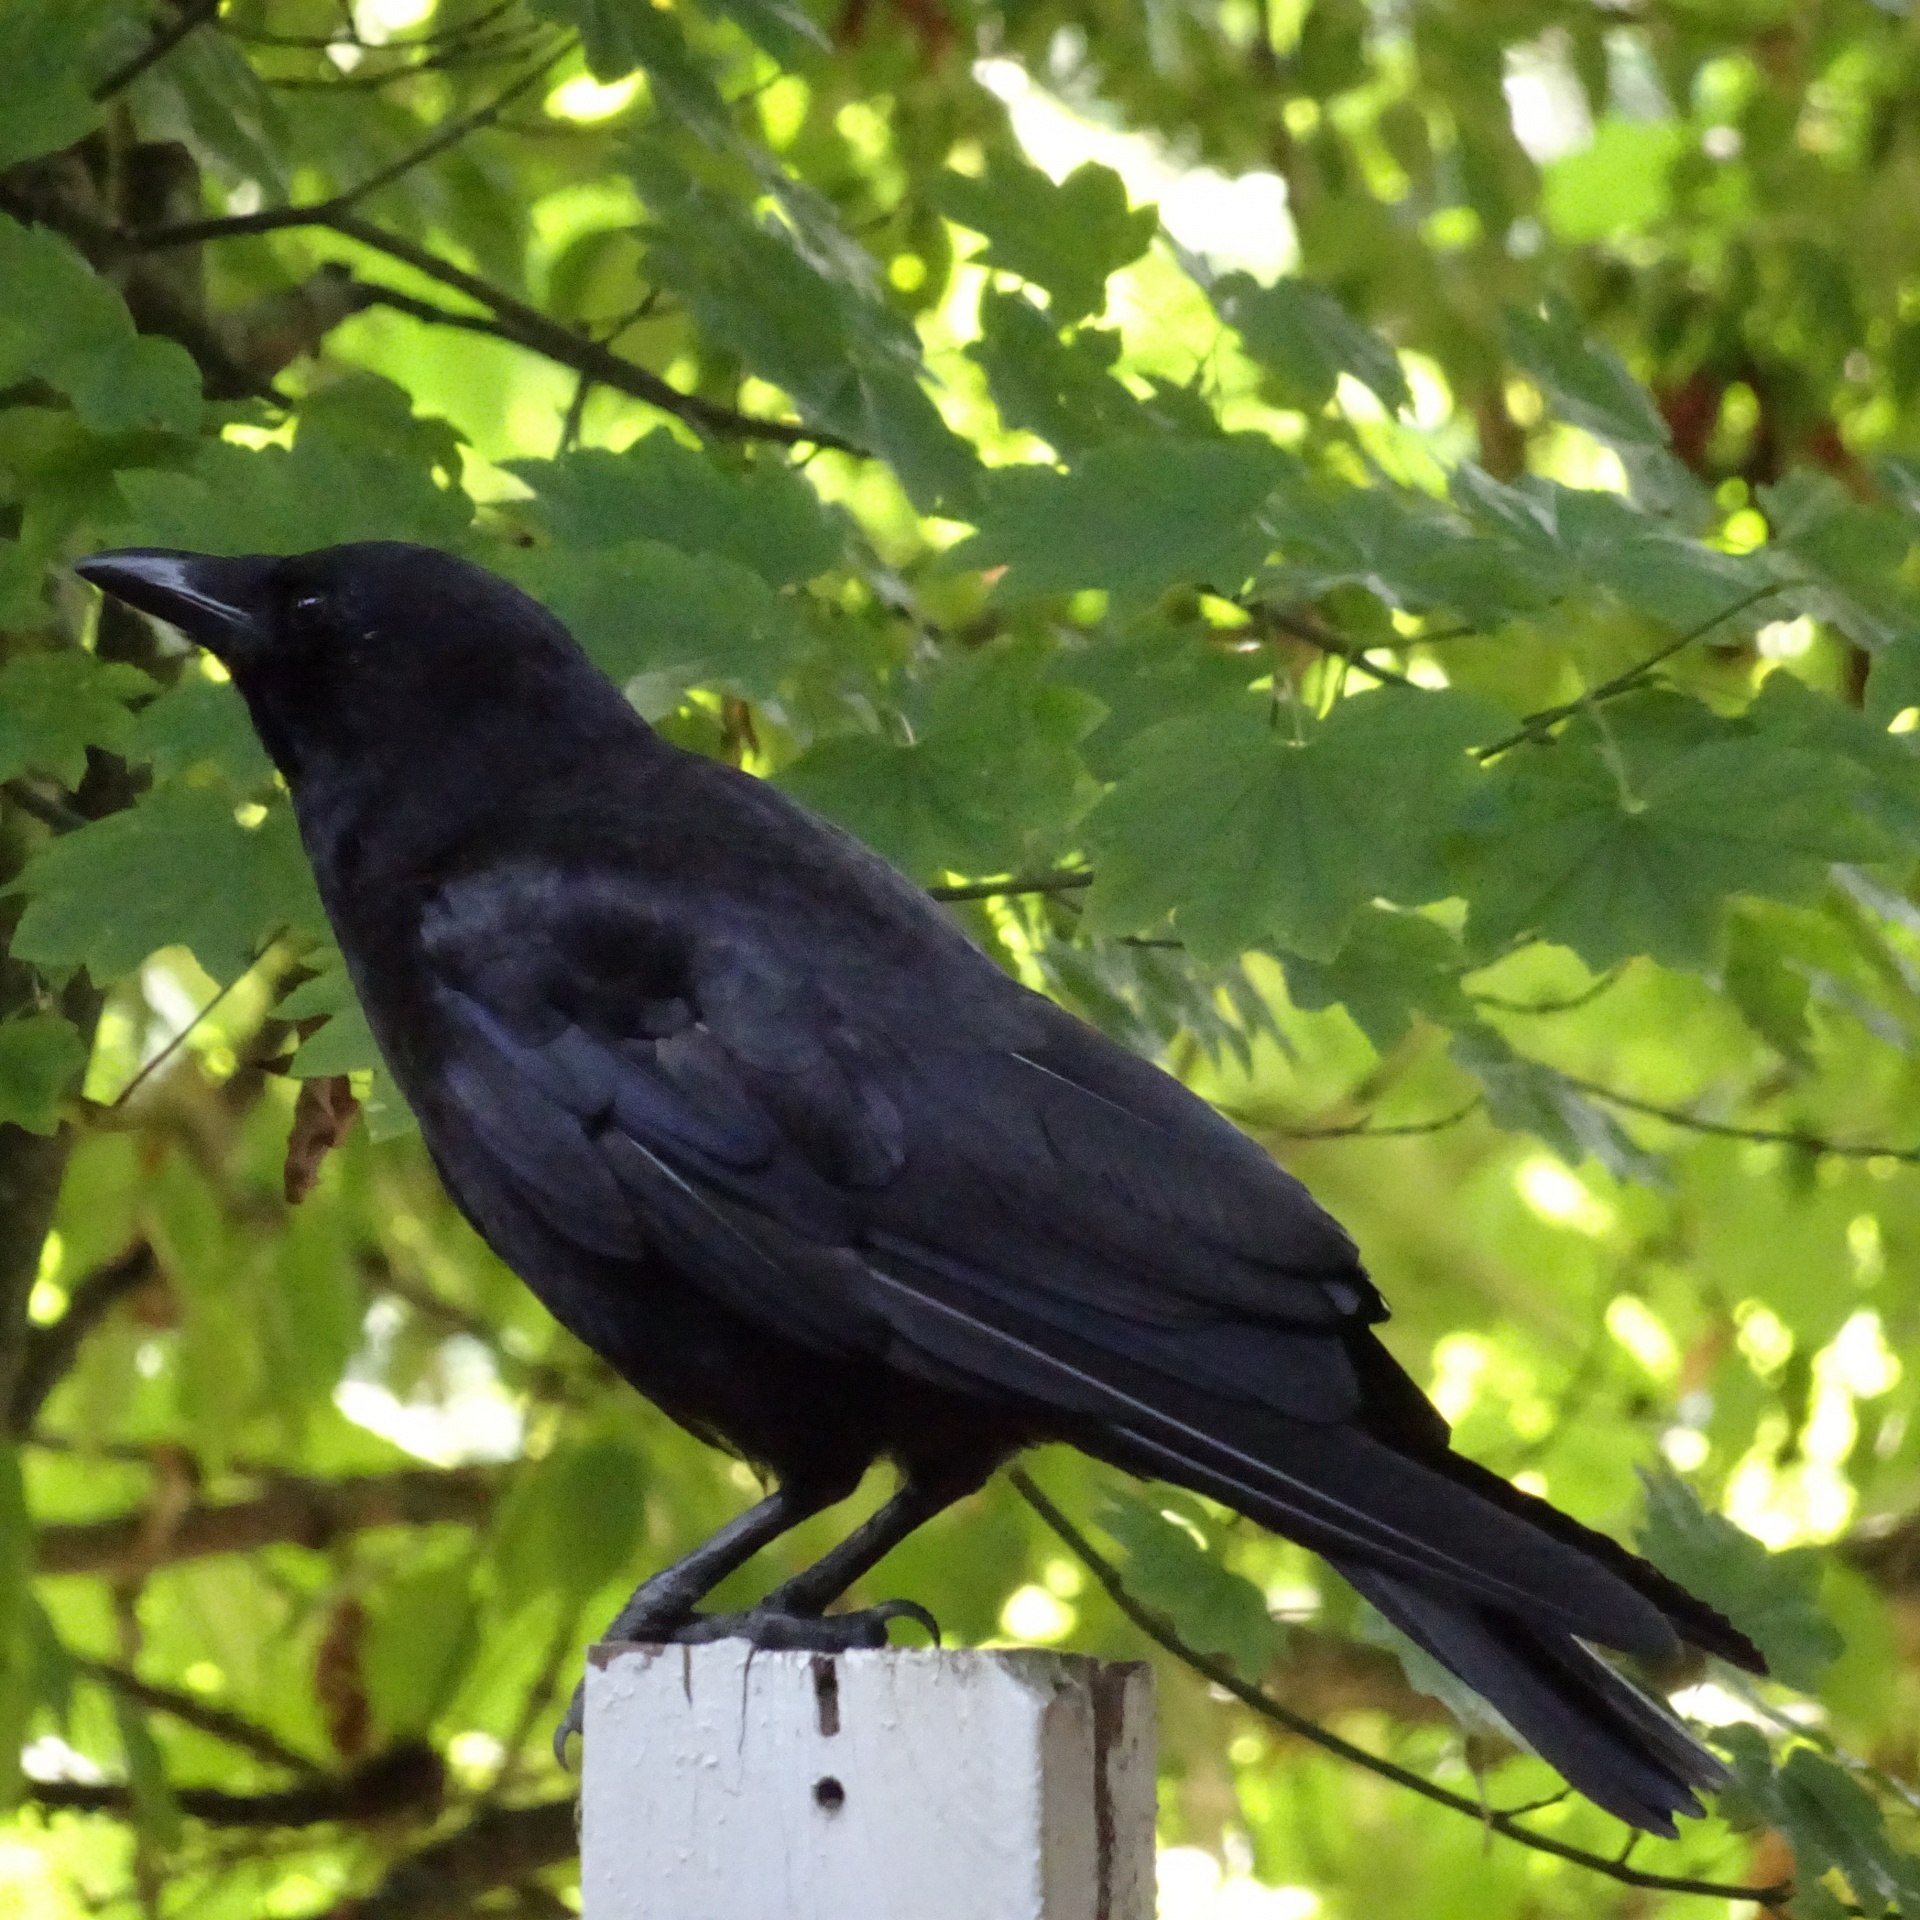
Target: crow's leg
(794, 1616)
(667, 1599)
(665, 1602)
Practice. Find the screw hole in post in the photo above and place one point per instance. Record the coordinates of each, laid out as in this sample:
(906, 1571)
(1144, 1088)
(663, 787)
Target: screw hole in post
(828, 1794)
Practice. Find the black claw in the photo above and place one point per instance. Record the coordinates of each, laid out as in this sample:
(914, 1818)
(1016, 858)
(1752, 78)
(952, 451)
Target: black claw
(573, 1721)
(907, 1610)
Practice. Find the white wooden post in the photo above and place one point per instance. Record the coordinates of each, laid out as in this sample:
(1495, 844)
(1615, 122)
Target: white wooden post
(727, 1784)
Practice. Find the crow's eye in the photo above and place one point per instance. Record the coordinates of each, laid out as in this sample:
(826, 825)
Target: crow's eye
(306, 610)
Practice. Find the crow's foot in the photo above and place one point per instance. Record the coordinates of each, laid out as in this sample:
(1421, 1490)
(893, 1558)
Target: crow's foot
(770, 1628)
(773, 1629)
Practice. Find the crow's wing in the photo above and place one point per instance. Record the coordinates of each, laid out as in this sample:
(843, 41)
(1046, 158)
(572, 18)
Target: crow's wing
(910, 1157)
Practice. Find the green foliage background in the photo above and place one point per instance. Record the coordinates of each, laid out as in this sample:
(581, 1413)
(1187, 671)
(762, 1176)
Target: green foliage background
(1421, 634)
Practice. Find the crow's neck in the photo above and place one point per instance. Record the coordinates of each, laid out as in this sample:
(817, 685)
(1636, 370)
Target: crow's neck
(395, 815)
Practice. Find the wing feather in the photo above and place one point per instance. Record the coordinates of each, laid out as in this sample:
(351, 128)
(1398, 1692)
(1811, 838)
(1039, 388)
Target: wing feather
(1006, 1204)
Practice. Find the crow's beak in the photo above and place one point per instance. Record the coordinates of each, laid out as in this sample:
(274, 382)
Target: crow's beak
(222, 604)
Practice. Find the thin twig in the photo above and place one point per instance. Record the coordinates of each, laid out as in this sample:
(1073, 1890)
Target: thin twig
(455, 130)
(1566, 1003)
(347, 37)
(1164, 1634)
(176, 1041)
(483, 54)
(188, 20)
(1301, 627)
(1371, 1130)
(322, 213)
(1729, 1130)
(1536, 725)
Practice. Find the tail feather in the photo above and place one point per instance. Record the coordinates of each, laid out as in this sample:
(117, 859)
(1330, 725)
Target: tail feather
(1618, 1747)
(1424, 1521)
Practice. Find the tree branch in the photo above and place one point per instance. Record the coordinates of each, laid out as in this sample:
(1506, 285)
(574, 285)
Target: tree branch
(405, 1779)
(191, 17)
(204, 1717)
(501, 1847)
(51, 1351)
(1163, 1633)
(304, 1513)
(511, 319)
(507, 318)
(528, 327)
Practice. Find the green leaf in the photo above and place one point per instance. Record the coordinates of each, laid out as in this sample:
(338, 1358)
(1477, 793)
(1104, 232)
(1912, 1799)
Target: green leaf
(62, 323)
(1620, 839)
(1828, 1819)
(1789, 713)
(200, 726)
(422, 1637)
(994, 758)
(1771, 992)
(620, 35)
(18, 1692)
(1216, 1610)
(1583, 379)
(1582, 540)
(1846, 557)
(344, 1045)
(1135, 517)
(1247, 831)
(1410, 550)
(1062, 390)
(1392, 969)
(1773, 1598)
(783, 27)
(1150, 674)
(1523, 1096)
(175, 869)
(155, 1811)
(54, 706)
(46, 103)
(1619, 183)
(1306, 339)
(360, 472)
(765, 517)
(660, 621)
(613, 33)
(573, 1522)
(1064, 239)
(41, 1055)
(805, 312)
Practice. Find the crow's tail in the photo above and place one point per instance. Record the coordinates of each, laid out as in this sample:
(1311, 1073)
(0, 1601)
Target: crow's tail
(1622, 1750)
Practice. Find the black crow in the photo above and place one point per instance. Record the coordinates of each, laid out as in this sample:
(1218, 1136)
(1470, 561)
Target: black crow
(756, 1121)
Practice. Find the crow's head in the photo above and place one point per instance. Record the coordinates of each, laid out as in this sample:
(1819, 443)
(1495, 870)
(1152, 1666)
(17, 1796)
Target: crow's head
(347, 651)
